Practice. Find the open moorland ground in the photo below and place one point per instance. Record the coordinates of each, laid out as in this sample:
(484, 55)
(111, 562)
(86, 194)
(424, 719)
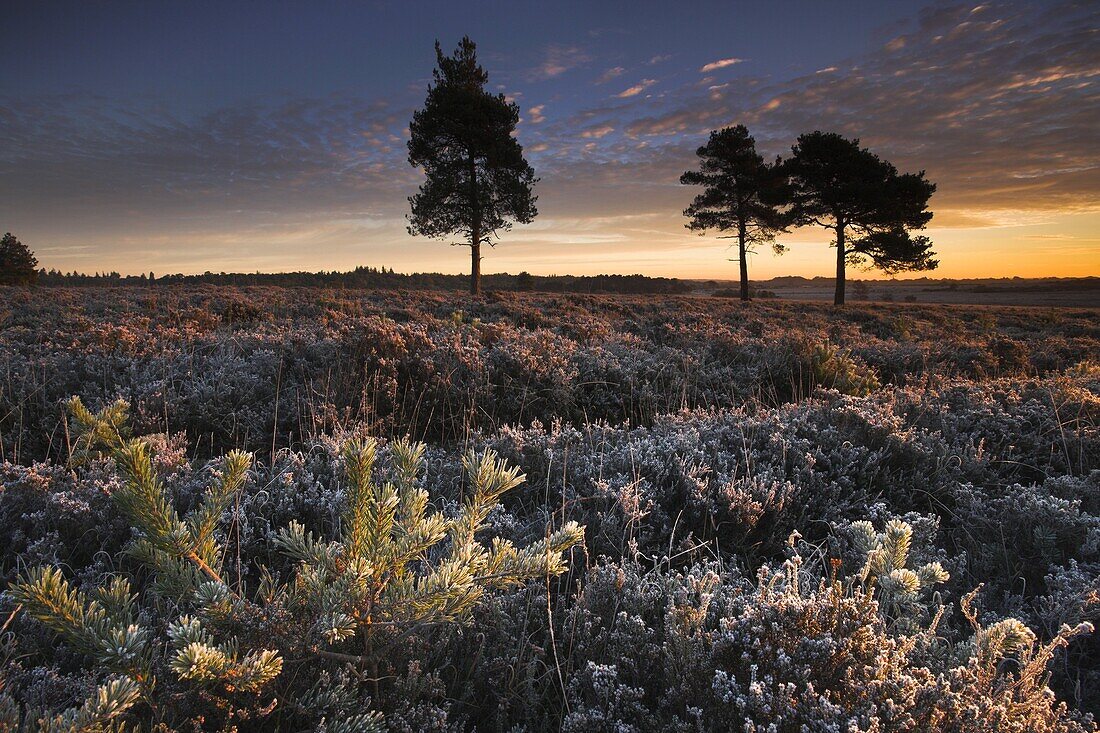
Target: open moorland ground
(1070, 292)
(787, 508)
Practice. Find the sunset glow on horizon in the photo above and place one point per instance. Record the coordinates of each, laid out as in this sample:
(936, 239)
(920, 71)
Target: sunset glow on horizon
(211, 137)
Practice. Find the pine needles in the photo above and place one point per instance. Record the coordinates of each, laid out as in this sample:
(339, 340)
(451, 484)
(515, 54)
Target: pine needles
(396, 567)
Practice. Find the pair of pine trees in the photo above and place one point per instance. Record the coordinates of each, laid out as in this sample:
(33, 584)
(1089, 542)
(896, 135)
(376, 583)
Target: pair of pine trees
(829, 181)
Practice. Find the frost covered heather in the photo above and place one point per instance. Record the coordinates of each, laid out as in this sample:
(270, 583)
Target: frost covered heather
(610, 514)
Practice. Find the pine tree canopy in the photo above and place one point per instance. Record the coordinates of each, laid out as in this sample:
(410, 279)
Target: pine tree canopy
(743, 194)
(836, 184)
(477, 180)
(741, 189)
(18, 265)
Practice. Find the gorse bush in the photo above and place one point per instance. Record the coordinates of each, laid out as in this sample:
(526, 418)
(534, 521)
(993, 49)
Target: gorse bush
(394, 569)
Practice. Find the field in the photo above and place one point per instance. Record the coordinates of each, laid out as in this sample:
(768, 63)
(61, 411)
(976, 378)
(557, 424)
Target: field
(1053, 292)
(787, 507)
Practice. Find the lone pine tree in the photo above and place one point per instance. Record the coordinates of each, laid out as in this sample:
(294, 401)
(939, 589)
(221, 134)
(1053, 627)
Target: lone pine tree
(742, 194)
(478, 182)
(871, 208)
(17, 263)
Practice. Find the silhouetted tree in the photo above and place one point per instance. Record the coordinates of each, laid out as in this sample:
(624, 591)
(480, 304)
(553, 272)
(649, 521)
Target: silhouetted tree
(478, 181)
(839, 185)
(524, 281)
(18, 265)
(742, 194)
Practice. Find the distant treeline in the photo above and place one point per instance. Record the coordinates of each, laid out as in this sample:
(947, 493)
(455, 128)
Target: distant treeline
(382, 278)
(1015, 284)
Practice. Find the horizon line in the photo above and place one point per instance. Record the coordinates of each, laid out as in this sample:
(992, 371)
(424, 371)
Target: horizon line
(378, 269)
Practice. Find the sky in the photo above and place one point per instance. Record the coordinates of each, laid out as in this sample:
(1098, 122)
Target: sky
(271, 136)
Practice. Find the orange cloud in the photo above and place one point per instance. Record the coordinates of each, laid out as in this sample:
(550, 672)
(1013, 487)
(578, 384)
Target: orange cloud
(636, 89)
(719, 64)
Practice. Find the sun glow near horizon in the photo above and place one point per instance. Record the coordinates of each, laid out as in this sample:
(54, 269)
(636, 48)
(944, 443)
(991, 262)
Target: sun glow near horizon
(122, 164)
(1057, 245)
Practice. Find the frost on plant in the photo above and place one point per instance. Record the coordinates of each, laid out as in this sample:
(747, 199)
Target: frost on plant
(625, 514)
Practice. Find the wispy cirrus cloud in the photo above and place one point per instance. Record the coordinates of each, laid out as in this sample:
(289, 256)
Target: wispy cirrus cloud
(82, 154)
(636, 89)
(596, 132)
(557, 60)
(613, 73)
(719, 64)
(997, 128)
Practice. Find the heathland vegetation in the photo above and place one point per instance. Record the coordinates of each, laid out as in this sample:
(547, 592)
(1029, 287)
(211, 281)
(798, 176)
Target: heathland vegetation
(876, 518)
(243, 507)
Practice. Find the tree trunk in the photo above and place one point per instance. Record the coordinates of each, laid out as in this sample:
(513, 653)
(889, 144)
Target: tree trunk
(475, 232)
(744, 263)
(475, 268)
(838, 299)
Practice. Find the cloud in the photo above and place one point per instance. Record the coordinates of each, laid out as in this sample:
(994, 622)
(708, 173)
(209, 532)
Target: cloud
(558, 60)
(1056, 237)
(595, 133)
(719, 64)
(669, 124)
(1008, 136)
(109, 165)
(610, 74)
(659, 59)
(997, 127)
(636, 89)
(1007, 133)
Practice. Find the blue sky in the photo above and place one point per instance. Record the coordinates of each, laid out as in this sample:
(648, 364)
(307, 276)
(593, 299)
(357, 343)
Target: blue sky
(271, 136)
